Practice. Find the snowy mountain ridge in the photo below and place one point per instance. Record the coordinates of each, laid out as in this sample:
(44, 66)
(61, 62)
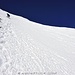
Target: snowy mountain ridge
(28, 48)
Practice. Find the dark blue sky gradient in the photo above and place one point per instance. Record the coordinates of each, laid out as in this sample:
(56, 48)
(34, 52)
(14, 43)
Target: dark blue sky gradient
(50, 12)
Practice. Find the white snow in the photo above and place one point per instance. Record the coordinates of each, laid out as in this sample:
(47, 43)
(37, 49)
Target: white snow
(28, 48)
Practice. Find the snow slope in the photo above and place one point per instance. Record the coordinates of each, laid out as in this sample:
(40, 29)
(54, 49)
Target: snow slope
(28, 48)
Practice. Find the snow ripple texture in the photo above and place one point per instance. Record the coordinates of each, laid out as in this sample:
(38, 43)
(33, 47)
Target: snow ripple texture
(28, 48)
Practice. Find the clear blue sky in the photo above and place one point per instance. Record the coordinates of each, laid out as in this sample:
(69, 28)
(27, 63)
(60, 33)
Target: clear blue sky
(50, 12)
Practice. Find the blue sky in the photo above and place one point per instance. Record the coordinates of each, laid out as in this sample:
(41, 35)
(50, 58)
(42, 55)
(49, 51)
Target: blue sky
(49, 12)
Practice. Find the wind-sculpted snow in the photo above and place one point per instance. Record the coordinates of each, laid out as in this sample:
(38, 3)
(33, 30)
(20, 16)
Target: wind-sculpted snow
(28, 48)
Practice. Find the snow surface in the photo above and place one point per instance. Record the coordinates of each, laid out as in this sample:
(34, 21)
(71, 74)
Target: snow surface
(28, 48)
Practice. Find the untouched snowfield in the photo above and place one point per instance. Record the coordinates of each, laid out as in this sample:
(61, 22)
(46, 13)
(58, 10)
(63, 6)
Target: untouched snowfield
(28, 48)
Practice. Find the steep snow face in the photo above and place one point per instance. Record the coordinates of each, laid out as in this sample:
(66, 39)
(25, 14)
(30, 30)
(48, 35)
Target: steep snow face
(28, 48)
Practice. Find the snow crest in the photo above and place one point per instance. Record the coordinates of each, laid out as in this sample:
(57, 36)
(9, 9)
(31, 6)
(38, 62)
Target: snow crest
(28, 48)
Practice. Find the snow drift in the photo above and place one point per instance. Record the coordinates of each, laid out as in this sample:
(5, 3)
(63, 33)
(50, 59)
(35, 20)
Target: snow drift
(28, 48)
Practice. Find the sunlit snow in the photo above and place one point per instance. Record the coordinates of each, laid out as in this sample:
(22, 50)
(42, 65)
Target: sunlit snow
(28, 48)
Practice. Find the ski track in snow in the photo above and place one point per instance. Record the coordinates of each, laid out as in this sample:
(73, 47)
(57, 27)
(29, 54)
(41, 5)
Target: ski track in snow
(30, 47)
